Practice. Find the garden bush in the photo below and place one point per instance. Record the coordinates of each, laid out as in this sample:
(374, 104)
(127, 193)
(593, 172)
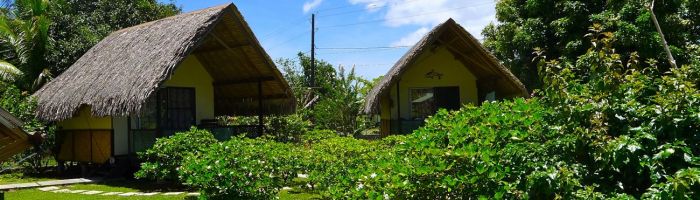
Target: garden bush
(241, 168)
(600, 128)
(332, 160)
(287, 128)
(161, 161)
(318, 135)
(474, 152)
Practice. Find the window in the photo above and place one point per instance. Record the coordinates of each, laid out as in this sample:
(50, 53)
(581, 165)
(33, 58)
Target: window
(148, 117)
(177, 110)
(168, 111)
(422, 103)
(426, 101)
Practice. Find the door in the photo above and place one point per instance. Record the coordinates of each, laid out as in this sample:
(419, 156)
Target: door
(447, 98)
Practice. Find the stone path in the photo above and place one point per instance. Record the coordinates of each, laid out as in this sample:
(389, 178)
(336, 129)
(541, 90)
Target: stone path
(55, 189)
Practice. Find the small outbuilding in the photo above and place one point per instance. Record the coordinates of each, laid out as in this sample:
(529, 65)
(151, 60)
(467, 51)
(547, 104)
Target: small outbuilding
(446, 69)
(157, 78)
(13, 140)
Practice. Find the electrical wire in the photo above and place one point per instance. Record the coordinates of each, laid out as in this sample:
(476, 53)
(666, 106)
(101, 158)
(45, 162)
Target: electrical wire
(295, 37)
(361, 48)
(404, 17)
(282, 28)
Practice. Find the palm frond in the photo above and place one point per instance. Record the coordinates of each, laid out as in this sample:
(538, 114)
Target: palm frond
(8, 71)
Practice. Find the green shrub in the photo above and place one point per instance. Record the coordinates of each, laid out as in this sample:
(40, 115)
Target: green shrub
(241, 168)
(478, 151)
(318, 135)
(601, 128)
(162, 161)
(284, 128)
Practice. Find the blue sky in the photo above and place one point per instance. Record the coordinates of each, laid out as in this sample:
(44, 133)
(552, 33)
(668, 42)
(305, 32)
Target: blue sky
(283, 26)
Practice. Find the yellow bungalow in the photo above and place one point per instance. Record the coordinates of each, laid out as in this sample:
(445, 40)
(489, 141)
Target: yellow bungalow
(445, 69)
(156, 78)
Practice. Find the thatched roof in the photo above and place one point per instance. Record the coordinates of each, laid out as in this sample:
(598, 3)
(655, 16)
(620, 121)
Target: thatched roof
(13, 139)
(116, 76)
(466, 49)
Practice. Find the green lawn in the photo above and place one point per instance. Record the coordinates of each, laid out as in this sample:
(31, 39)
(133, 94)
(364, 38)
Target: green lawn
(128, 186)
(295, 194)
(21, 178)
(111, 186)
(34, 194)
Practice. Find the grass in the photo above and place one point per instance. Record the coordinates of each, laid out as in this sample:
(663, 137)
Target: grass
(22, 178)
(136, 186)
(112, 186)
(297, 191)
(297, 194)
(34, 194)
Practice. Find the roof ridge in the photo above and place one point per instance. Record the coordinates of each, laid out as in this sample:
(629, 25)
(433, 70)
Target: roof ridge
(219, 7)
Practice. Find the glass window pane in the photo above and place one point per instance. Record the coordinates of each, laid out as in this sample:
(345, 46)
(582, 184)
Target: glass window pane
(147, 116)
(422, 103)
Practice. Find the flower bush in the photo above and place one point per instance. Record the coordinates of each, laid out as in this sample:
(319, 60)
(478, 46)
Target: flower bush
(161, 161)
(241, 168)
(601, 128)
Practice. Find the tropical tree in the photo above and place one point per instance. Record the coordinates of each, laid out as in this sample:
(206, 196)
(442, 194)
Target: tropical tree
(557, 27)
(23, 40)
(80, 24)
(8, 71)
(335, 100)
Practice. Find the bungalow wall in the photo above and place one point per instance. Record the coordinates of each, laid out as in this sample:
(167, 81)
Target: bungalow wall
(192, 73)
(86, 138)
(440, 61)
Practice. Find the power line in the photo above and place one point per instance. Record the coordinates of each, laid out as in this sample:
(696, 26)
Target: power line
(282, 28)
(404, 17)
(341, 7)
(295, 37)
(361, 48)
(374, 7)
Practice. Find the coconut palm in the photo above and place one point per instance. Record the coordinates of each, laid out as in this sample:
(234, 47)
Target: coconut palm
(8, 72)
(24, 37)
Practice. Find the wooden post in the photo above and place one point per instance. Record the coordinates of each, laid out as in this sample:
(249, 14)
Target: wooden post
(398, 105)
(313, 51)
(260, 109)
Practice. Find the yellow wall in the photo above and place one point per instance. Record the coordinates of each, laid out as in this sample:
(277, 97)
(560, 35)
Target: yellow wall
(442, 61)
(191, 73)
(84, 120)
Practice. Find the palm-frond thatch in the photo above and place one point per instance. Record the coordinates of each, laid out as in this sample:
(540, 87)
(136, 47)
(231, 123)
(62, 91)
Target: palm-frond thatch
(13, 139)
(116, 76)
(466, 48)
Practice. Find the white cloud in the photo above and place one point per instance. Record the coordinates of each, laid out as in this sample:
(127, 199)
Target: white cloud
(311, 5)
(411, 39)
(473, 15)
(371, 5)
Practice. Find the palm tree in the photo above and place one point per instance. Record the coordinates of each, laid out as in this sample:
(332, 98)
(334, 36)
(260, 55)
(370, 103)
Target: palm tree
(24, 37)
(8, 72)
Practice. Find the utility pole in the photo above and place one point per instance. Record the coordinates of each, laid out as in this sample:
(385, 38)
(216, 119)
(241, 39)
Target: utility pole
(313, 51)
